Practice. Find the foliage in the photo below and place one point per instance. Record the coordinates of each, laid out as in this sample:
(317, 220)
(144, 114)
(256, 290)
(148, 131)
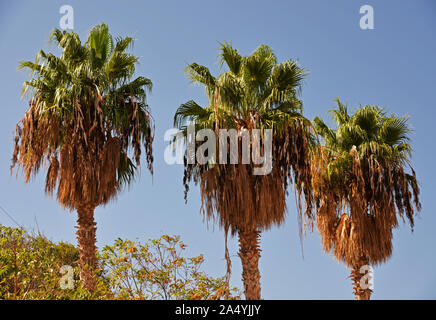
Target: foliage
(370, 131)
(30, 267)
(157, 270)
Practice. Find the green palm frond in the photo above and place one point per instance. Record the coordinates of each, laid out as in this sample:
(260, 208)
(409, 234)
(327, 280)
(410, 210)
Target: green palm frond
(340, 115)
(100, 43)
(126, 171)
(287, 76)
(122, 44)
(394, 130)
(231, 92)
(201, 74)
(190, 111)
(325, 132)
(258, 66)
(231, 58)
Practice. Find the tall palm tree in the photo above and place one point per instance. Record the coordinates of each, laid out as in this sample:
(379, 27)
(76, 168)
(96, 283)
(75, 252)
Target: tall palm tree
(256, 92)
(84, 114)
(361, 166)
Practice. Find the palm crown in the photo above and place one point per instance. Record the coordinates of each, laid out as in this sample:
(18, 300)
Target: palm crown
(256, 92)
(361, 165)
(84, 114)
(370, 130)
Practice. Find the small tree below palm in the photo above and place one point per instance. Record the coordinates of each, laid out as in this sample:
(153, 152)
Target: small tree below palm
(158, 270)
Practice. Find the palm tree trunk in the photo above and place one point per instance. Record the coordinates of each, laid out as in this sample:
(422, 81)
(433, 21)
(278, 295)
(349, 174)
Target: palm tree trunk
(361, 293)
(249, 252)
(87, 248)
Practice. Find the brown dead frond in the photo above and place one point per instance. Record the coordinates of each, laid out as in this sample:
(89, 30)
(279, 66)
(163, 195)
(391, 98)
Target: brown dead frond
(238, 199)
(374, 193)
(82, 156)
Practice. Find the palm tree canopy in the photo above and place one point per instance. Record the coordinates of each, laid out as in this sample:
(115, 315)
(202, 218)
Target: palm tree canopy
(254, 92)
(360, 165)
(370, 130)
(86, 110)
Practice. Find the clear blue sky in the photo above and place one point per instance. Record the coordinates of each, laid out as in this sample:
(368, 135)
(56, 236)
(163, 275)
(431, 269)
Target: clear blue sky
(393, 66)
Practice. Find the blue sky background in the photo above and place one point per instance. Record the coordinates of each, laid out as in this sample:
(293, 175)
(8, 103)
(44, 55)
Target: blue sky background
(392, 66)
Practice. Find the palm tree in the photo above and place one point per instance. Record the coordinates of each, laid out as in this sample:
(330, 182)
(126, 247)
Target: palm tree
(84, 114)
(256, 92)
(361, 167)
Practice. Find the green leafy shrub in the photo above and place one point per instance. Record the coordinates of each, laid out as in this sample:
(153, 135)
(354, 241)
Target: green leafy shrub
(30, 268)
(157, 270)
